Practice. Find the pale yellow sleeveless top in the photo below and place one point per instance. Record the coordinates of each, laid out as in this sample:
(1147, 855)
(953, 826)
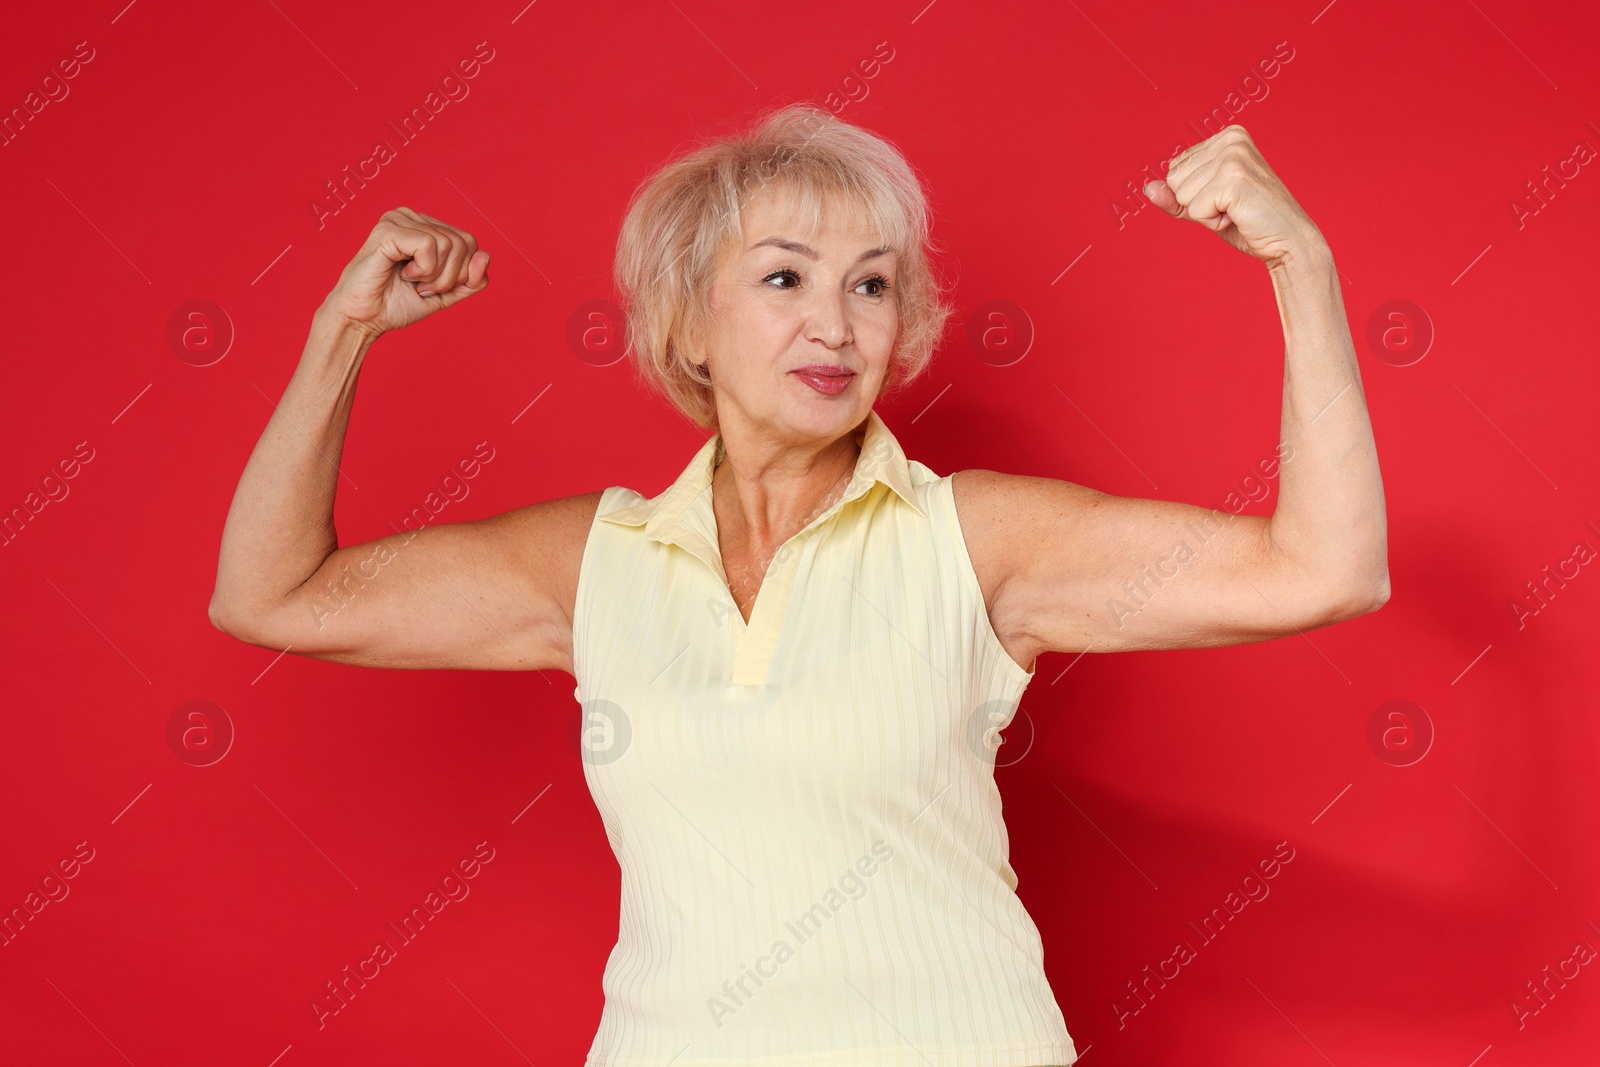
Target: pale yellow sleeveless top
(814, 864)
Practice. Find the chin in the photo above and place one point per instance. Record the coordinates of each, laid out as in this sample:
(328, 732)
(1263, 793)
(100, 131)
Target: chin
(824, 416)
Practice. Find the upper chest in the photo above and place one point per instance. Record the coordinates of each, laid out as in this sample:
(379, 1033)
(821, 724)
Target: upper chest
(865, 582)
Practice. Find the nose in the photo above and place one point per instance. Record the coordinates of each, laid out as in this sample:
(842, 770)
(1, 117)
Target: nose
(828, 318)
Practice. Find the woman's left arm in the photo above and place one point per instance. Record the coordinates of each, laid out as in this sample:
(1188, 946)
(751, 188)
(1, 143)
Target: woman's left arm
(1054, 557)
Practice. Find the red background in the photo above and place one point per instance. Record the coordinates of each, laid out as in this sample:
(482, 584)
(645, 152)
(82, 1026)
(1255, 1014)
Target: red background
(221, 898)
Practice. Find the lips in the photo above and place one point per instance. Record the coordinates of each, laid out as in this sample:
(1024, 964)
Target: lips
(829, 379)
(825, 370)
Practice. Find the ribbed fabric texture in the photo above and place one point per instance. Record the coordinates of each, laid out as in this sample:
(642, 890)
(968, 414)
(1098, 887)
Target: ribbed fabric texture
(814, 864)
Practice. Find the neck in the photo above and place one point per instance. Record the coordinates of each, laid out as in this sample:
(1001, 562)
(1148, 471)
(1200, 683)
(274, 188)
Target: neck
(765, 491)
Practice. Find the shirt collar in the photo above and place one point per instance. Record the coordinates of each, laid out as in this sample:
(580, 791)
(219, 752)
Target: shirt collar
(881, 460)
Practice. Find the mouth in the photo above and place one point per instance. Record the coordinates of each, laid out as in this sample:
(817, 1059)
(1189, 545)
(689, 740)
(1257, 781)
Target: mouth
(825, 370)
(829, 379)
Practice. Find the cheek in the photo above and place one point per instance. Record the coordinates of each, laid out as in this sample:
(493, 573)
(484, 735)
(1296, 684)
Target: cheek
(767, 333)
(878, 331)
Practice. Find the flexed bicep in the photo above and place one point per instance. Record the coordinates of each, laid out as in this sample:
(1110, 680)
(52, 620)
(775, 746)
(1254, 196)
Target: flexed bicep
(1071, 569)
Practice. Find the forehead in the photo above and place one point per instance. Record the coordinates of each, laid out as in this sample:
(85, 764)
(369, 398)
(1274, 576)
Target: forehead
(779, 211)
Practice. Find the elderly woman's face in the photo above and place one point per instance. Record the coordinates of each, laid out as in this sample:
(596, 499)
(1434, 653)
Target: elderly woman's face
(804, 323)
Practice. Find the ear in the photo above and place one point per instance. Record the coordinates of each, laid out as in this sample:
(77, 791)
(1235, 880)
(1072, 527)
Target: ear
(686, 346)
(697, 356)
(694, 348)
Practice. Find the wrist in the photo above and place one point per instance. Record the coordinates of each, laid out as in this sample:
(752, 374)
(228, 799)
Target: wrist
(337, 326)
(337, 340)
(1307, 261)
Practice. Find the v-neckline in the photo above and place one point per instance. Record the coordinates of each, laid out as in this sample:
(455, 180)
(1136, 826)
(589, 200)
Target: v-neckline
(745, 625)
(758, 622)
(716, 539)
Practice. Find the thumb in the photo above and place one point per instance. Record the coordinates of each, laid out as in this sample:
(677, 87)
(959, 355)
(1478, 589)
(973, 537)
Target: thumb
(1161, 195)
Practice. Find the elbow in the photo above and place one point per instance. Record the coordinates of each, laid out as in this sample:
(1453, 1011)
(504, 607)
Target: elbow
(1363, 598)
(261, 625)
(224, 618)
(217, 615)
(1376, 589)
(1336, 601)
(1380, 596)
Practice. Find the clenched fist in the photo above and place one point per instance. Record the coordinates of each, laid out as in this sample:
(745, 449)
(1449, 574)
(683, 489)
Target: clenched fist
(1223, 184)
(410, 266)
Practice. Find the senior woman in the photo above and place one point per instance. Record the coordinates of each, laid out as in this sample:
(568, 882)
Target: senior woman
(795, 659)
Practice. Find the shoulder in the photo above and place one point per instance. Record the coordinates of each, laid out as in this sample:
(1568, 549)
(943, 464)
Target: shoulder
(982, 500)
(1004, 511)
(1007, 520)
(555, 521)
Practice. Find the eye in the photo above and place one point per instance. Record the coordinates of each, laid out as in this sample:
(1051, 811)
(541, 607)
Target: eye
(880, 281)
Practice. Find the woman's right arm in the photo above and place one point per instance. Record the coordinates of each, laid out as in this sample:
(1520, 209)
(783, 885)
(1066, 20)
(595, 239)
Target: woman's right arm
(491, 594)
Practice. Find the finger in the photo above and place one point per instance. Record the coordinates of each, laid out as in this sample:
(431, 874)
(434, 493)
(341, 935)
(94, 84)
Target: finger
(440, 254)
(419, 246)
(478, 270)
(1193, 172)
(1161, 195)
(1198, 155)
(462, 248)
(427, 247)
(1208, 205)
(452, 263)
(420, 217)
(465, 246)
(1177, 196)
(425, 222)
(476, 279)
(1189, 180)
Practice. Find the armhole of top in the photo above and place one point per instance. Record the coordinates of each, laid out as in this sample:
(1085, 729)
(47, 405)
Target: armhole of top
(579, 636)
(1015, 670)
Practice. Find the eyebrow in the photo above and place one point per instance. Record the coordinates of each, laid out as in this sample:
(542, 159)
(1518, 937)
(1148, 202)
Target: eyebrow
(811, 253)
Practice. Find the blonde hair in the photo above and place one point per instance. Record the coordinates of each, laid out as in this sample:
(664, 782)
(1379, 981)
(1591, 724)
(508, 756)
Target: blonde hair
(681, 218)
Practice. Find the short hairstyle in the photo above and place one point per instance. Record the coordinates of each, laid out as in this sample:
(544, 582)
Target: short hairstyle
(680, 219)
